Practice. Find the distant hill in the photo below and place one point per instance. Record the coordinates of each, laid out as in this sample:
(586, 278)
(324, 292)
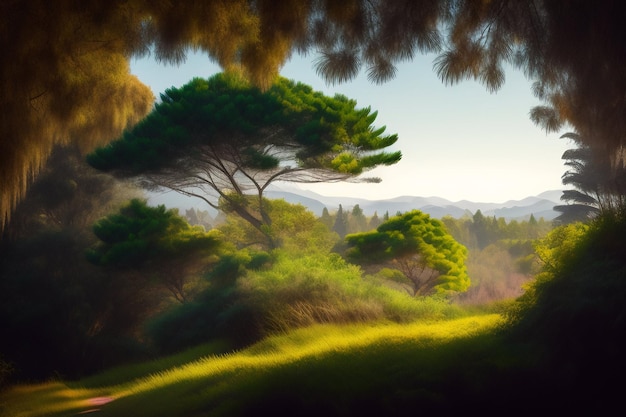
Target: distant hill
(540, 205)
(437, 207)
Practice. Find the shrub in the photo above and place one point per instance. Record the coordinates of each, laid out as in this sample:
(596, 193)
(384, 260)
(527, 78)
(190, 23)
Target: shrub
(216, 313)
(301, 291)
(575, 308)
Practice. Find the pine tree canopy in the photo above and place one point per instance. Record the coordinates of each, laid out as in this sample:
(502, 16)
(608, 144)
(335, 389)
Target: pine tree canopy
(226, 125)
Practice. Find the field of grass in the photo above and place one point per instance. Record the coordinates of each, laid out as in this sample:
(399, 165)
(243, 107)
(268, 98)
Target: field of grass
(320, 370)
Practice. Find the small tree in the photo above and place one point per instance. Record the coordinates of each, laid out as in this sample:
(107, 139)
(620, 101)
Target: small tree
(358, 221)
(154, 243)
(221, 139)
(374, 221)
(418, 246)
(341, 222)
(326, 218)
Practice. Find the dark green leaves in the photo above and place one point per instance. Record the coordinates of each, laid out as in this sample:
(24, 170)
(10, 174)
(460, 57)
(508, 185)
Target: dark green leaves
(225, 109)
(139, 233)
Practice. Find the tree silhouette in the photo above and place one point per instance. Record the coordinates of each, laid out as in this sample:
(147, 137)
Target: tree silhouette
(326, 218)
(357, 221)
(341, 222)
(153, 242)
(374, 221)
(224, 141)
(599, 185)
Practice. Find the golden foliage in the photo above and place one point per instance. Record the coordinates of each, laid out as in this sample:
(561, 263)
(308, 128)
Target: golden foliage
(64, 81)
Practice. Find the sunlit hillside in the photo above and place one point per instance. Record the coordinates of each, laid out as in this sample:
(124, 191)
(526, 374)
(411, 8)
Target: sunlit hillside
(338, 363)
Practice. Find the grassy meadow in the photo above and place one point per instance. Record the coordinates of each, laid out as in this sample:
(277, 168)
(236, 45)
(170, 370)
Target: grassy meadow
(327, 368)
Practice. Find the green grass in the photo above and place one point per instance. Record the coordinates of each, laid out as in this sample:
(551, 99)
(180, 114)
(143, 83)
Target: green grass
(329, 369)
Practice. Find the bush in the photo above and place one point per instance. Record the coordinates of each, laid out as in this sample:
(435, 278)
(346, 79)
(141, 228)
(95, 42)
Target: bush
(216, 313)
(305, 290)
(575, 309)
(216, 316)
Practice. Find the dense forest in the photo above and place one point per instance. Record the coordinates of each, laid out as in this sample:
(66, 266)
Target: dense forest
(110, 305)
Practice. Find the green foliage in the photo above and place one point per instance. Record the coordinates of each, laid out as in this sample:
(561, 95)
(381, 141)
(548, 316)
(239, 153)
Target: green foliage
(155, 241)
(251, 294)
(559, 251)
(217, 313)
(204, 112)
(340, 226)
(559, 248)
(414, 242)
(139, 234)
(292, 225)
(323, 288)
(214, 315)
(574, 309)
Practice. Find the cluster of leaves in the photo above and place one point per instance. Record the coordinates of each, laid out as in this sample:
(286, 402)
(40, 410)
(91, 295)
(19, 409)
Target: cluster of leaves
(156, 241)
(293, 226)
(420, 246)
(216, 313)
(327, 132)
(138, 234)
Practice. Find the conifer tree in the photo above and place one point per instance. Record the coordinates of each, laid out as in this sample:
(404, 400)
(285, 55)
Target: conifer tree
(357, 222)
(374, 221)
(341, 223)
(326, 218)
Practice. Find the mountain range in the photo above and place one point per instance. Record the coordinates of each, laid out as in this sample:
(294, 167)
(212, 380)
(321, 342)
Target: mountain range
(539, 206)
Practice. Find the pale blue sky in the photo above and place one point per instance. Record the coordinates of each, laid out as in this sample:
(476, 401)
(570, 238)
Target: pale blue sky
(458, 142)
